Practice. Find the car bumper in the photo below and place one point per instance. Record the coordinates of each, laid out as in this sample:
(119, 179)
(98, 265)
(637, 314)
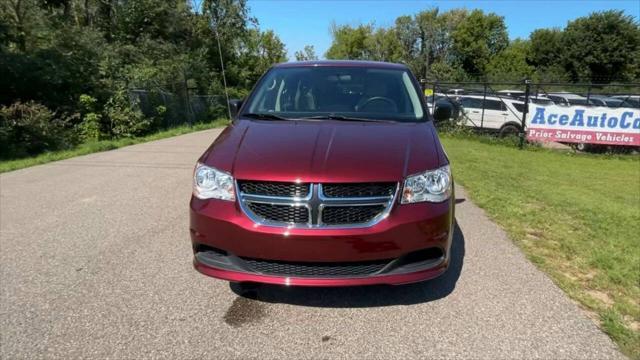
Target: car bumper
(412, 243)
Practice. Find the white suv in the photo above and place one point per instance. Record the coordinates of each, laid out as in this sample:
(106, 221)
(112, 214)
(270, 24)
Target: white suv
(501, 114)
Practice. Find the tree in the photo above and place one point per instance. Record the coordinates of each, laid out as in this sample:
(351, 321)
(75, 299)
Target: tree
(25, 22)
(478, 38)
(511, 63)
(350, 42)
(271, 48)
(448, 22)
(307, 54)
(601, 47)
(383, 45)
(545, 47)
(427, 24)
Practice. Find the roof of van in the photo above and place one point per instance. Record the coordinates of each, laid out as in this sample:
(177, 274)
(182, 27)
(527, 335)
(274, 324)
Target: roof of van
(342, 63)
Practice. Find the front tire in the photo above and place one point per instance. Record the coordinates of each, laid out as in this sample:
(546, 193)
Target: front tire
(509, 130)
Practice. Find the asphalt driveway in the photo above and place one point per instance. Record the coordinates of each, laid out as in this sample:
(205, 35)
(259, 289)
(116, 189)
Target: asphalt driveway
(96, 262)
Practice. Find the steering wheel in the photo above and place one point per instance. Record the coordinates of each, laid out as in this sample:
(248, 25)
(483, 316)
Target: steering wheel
(377, 98)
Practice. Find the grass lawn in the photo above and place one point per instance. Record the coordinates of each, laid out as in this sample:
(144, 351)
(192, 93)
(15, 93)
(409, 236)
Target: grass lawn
(104, 145)
(577, 217)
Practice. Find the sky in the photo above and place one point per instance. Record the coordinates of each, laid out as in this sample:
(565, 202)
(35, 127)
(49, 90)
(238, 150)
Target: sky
(306, 22)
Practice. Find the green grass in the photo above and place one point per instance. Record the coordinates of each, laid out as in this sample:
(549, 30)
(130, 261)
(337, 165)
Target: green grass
(103, 145)
(577, 217)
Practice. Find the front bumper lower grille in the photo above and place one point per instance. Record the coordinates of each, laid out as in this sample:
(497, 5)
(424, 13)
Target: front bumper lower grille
(316, 205)
(410, 262)
(314, 269)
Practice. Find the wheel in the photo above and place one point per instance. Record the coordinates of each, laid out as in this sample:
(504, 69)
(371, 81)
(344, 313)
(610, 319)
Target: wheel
(509, 130)
(582, 147)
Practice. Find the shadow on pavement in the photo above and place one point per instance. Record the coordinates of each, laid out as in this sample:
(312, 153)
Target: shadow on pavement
(365, 296)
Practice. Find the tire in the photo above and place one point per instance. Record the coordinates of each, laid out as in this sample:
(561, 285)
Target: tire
(509, 130)
(582, 147)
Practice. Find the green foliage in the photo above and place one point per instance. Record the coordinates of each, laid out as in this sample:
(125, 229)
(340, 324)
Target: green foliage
(309, 53)
(109, 69)
(511, 63)
(602, 46)
(445, 72)
(546, 47)
(29, 128)
(350, 42)
(90, 127)
(125, 120)
(478, 38)
(459, 45)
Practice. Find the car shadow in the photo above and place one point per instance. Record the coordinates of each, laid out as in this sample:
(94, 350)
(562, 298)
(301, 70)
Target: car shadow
(365, 296)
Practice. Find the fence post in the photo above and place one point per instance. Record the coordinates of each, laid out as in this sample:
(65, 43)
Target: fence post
(433, 97)
(527, 90)
(484, 101)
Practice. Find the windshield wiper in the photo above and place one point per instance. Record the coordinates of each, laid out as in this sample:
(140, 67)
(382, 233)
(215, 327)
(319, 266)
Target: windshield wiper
(342, 118)
(264, 116)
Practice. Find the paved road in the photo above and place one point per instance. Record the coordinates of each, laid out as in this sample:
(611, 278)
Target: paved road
(96, 262)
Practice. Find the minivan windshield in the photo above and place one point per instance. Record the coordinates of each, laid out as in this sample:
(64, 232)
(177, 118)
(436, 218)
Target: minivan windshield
(336, 92)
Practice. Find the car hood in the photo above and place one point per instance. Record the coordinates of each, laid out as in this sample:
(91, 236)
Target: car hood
(325, 151)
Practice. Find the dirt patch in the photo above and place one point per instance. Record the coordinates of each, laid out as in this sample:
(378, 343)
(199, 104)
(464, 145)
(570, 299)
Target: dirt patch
(534, 234)
(244, 311)
(601, 297)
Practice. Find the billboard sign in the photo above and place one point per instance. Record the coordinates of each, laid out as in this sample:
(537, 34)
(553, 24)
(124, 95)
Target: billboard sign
(581, 124)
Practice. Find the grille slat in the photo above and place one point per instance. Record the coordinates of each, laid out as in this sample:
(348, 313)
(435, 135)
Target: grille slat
(337, 215)
(314, 269)
(358, 190)
(281, 213)
(272, 188)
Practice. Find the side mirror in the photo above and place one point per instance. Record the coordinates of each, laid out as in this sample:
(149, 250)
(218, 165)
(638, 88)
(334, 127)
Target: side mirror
(235, 105)
(442, 112)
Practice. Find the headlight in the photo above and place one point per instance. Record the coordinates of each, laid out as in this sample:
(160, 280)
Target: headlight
(210, 183)
(431, 186)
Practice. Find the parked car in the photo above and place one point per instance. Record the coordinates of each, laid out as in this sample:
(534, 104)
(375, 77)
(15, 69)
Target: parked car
(538, 99)
(455, 91)
(632, 100)
(512, 93)
(500, 114)
(444, 101)
(318, 184)
(568, 99)
(603, 100)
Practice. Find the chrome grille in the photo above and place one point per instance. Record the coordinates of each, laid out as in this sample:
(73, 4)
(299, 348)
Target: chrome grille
(316, 205)
(359, 189)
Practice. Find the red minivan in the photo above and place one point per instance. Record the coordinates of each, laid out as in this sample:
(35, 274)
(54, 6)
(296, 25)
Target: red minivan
(331, 174)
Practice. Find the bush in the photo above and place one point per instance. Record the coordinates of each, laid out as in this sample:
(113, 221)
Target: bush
(90, 127)
(126, 120)
(28, 129)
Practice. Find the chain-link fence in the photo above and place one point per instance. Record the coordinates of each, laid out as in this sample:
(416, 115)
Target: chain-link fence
(502, 107)
(173, 109)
